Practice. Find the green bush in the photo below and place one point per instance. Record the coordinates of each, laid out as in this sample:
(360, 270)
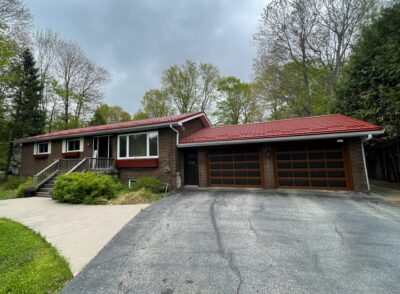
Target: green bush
(21, 188)
(87, 188)
(148, 183)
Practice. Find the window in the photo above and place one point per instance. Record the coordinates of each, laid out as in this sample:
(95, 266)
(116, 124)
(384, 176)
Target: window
(140, 145)
(73, 145)
(131, 182)
(42, 148)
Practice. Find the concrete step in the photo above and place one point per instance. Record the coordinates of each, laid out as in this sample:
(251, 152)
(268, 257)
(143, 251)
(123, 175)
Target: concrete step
(43, 194)
(45, 189)
(47, 186)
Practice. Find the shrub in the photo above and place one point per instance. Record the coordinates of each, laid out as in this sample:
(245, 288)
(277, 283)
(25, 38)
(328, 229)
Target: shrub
(137, 197)
(21, 188)
(87, 188)
(149, 183)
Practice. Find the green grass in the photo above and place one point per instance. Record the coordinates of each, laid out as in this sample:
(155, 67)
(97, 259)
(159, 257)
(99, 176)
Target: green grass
(28, 263)
(8, 188)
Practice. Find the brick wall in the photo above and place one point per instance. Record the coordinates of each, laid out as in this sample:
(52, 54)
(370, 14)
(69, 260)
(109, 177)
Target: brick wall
(166, 171)
(31, 165)
(269, 181)
(202, 163)
(357, 165)
(190, 127)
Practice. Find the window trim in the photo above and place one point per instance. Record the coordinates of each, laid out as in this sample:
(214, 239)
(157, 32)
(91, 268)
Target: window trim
(36, 148)
(147, 146)
(65, 145)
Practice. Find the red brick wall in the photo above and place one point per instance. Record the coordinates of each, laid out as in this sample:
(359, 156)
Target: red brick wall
(357, 165)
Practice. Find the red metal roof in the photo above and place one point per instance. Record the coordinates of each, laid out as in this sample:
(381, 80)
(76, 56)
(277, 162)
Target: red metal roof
(314, 125)
(116, 126)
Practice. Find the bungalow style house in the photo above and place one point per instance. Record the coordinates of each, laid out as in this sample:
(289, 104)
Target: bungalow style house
(320, 152)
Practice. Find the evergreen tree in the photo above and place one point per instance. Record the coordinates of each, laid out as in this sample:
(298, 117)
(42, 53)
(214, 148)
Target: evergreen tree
(28, 117)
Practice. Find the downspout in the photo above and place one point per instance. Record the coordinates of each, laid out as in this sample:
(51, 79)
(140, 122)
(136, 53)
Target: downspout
(176, 131)
(369, 137)
(178, 176)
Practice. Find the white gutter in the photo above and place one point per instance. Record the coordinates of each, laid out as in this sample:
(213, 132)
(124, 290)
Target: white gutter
(369, 137)
(177, 133)
(282, 139)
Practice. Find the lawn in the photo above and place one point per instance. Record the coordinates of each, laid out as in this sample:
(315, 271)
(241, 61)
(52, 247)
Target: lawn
(28, 263)
(8, 188)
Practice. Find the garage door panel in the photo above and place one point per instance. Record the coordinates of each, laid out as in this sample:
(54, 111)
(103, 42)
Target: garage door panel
(311, 165)
(236, 166)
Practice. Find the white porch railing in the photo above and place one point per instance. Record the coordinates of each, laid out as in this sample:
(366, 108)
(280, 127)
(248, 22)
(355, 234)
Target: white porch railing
(60, 166)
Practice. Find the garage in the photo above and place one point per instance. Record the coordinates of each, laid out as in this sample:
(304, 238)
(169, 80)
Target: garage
(312, 165)
(235, 166)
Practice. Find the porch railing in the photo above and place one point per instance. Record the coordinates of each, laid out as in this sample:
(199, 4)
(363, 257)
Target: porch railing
(94, 164)
(46, 174)
(73, 165)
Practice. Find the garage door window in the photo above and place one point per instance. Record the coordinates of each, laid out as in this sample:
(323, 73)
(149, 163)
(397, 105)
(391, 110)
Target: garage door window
(315, 165)
(235, 166)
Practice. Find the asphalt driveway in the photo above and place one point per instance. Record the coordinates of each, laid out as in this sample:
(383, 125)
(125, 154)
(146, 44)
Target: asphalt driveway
(250, 242)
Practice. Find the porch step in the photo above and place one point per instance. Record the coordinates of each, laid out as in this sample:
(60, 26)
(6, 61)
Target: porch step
(43, 194)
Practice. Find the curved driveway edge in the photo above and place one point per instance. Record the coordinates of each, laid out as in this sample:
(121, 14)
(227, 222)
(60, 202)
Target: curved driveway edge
(79, 232)
(219, 241)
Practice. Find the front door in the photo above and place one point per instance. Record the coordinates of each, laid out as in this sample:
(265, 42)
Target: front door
(102, 147)
(191, 169)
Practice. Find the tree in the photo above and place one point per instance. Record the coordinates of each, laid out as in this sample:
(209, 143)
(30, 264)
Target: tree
(27, 117)
(238, 103)
(190, 87)
(105, 114)
(17, 18)
(155, 103)
(180, 84)
(78, 82)
(140, 115)
(370, 86)
(316, 36)
(209, 77)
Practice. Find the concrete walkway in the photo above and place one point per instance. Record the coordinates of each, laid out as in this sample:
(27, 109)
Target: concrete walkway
(79, 232)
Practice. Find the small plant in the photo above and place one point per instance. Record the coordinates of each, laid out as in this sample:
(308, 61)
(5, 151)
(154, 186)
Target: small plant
(28, 183)
(149, 183)
(86, 188)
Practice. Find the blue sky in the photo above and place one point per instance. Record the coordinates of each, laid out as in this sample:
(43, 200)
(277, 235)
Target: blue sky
(137, 40)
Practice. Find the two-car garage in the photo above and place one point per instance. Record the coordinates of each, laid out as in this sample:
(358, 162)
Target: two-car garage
(321, 152)
(309, 165)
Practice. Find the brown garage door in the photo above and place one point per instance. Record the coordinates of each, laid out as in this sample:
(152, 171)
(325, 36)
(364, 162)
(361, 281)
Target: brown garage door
(236, 166)
(316, 165)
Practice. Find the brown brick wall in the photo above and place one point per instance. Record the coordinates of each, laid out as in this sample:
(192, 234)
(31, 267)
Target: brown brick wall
(31, 165)
(357, 165)
(269, 181)
(166, 171)
(190, 127)
(202, 162)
